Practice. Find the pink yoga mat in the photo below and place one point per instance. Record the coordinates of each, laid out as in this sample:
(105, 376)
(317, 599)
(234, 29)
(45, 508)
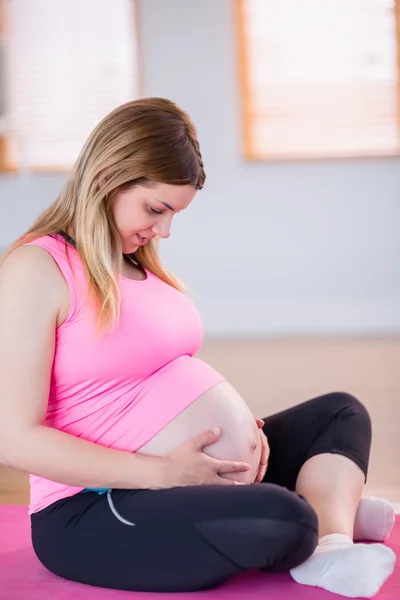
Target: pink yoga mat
(22, 577)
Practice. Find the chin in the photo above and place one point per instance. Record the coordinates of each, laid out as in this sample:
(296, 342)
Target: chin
(126, 249)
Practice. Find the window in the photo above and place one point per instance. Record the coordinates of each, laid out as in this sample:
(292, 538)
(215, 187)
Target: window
(319, 78)
(66, 64)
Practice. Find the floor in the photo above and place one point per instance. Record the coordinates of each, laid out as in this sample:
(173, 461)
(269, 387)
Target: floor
(275, 374)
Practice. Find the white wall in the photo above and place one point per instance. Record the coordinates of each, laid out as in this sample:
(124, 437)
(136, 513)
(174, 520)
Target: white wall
(269, 249)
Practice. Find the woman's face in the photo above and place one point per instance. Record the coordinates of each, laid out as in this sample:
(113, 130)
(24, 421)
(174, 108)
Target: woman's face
(145, 212)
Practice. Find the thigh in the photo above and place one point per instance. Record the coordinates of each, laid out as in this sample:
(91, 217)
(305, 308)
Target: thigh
(293, 432)
(180, 539)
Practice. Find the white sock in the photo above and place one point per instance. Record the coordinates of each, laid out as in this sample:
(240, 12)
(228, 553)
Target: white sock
(374, 519)
(342, 567)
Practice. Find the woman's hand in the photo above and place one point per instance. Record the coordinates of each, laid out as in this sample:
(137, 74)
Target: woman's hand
(189, 465)
(264, 452)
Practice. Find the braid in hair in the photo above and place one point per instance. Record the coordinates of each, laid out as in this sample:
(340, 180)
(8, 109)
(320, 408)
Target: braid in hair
(192, 136)
(189, 131)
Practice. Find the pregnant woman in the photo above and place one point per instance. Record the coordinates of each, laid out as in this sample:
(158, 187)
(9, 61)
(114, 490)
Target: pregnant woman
(148, 471)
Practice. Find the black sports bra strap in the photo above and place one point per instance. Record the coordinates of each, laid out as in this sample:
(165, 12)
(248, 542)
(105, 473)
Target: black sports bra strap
(67, 238)
(130, 257)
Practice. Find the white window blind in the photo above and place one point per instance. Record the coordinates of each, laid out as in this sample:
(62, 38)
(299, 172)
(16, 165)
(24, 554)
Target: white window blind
(69, 62)
(320, 78)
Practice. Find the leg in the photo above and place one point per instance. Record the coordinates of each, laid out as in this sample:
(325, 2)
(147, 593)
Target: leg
(174, 540)
(333, 485)
(293, 449)
(321, 449)
(326, 461)
(333, 476)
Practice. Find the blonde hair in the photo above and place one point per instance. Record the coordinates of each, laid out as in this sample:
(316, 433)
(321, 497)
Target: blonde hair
(145, 141)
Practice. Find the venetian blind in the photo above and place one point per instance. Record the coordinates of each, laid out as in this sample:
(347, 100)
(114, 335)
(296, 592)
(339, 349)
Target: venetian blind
(320, 78)
(69, 62)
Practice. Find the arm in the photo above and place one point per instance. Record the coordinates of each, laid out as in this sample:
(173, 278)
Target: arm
(32, 296)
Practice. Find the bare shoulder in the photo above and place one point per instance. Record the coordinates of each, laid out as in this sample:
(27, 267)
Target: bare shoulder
(29, 255)
(30, 302)
(30, 275)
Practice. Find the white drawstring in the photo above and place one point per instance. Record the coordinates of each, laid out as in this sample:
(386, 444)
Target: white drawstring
(115, 512)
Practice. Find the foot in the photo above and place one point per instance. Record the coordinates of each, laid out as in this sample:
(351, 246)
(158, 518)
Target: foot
(342, 567)
(374, 520)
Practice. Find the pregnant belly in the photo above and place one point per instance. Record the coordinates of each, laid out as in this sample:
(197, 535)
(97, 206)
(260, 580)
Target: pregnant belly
(221, 406)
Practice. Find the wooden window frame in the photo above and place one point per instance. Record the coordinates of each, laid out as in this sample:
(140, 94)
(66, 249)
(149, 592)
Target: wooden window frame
(245, 104)
(4, 167)
(5, 164)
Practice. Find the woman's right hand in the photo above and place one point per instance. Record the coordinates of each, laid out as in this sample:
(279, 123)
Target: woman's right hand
(189, 465)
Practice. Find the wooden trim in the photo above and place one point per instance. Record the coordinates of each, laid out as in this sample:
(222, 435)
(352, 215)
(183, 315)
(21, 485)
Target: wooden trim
(3, 143)
(321, 158)
(244, 78)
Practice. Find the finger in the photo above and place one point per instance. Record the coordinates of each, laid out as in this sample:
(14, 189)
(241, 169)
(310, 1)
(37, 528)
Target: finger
(264, 453)
(264, 447)
(224, 481)
(231, 467)
(260, 423)
(206, 438)
(261, 473)
(263, 458)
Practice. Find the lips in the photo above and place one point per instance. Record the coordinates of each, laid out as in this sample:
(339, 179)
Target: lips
(142, 240)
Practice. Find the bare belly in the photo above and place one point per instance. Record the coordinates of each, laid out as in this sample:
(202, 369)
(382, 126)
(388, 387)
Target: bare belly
(222, 407)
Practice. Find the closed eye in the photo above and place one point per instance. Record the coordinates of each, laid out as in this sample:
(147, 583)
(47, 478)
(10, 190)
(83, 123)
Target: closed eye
(155, 211)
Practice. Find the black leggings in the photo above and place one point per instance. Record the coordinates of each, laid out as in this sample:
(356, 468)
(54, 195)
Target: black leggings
(195, 538)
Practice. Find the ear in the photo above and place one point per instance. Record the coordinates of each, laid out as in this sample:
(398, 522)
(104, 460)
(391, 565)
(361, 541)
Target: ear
(104, 177)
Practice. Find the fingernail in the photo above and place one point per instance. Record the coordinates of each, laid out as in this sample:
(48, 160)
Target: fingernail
(215, 430)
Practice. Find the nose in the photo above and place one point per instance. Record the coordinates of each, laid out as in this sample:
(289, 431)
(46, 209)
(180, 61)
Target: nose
(162, 229)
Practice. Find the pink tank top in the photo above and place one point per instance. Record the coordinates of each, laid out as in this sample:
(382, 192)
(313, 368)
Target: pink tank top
(120, 390)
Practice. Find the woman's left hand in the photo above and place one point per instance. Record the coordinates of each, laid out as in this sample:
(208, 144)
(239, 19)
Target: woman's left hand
(264, 452)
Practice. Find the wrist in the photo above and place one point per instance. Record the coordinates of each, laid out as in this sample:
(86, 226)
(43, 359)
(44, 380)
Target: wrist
(155, 472)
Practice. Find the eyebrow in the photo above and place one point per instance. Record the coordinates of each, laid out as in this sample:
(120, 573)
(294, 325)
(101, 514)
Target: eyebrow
(165, 204)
